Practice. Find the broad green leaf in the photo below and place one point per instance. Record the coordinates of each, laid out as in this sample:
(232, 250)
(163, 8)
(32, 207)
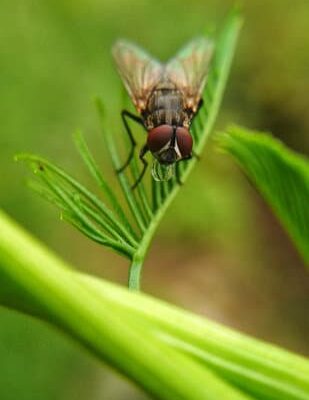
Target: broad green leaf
(280, 175)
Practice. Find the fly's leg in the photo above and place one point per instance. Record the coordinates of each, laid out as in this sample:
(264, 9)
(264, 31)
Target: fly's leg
(145, 164)
(200, 105)
(124, 115)
(177, 174)
(189, 157)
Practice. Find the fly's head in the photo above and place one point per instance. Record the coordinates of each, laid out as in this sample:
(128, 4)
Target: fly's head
(168, 145)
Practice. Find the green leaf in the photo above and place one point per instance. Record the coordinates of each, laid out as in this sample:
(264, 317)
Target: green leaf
(280, 175)
(95, 172)
(79, 206)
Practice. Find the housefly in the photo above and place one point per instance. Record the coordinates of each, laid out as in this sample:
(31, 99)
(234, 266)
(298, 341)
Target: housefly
(166, 97)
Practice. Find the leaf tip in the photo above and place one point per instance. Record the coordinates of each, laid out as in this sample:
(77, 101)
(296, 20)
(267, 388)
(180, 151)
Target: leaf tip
(20, 157)
(77, 137)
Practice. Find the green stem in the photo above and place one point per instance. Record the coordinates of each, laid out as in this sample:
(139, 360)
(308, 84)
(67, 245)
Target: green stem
(135, 272)
(261, 369)
(29, 272)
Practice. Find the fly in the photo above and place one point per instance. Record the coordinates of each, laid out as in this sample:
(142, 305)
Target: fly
(166, 97)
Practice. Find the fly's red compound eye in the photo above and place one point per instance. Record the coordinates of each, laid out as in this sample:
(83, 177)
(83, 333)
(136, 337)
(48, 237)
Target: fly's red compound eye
(184, 141)
(159, 137)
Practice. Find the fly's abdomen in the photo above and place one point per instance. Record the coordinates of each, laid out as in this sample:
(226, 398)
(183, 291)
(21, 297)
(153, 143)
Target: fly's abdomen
(165, 106)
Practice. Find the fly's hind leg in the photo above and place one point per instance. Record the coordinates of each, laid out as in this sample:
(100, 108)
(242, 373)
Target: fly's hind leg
(124, 115)
(142, 153)
(200, 105)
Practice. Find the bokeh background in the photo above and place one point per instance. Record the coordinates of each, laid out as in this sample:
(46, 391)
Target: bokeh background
(219, 251)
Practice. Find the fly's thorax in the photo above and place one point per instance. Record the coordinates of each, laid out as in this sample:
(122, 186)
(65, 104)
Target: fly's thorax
(169, 143)
(165, 106)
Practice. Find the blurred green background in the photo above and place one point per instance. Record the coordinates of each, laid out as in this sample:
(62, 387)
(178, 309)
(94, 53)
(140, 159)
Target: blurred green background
(219, 251)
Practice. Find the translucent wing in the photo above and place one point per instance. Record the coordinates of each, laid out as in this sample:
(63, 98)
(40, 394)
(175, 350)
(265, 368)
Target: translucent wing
(140, 73)
(188, 70)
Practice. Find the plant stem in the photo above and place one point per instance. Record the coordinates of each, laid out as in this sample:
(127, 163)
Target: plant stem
(263, 370)
(33, 279)
(136, 267)
(135, 273)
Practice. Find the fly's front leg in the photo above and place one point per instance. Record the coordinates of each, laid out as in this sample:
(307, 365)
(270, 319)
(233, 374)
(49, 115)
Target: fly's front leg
(177, 171)
(177, 174)
(145, 164)
(124, 115)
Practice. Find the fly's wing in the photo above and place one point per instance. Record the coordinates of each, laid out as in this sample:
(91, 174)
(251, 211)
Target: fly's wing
(140, 73)
(189, 68)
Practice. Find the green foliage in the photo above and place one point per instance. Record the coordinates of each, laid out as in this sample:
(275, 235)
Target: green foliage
(168, 352)
(41, 105)
(280, 175)
(108, 224)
